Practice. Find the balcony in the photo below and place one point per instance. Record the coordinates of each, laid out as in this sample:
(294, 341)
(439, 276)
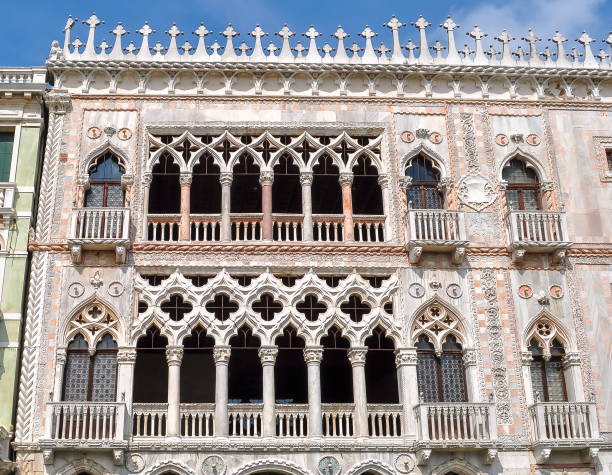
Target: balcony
(564, 425)
(99, 229)
(538, 231)
(7, 202)
(436, 230)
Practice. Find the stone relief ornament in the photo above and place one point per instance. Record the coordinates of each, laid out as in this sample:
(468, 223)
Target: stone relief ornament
(481, 224)
(422, 133)
(476, 191)
(94, 133)
(502, 140)
(416, 290)
(556, 291)
(405, 463)
(533, 139)
(407, 136)
(454, 291)
(329, 466)
(96, 281)
(435, 137)
(134, 463)
(213, 465)
(124, 134)
(525, 291)
(76, 289)
(115, 289)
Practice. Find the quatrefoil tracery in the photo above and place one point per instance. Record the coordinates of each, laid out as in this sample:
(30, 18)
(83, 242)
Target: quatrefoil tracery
(545, 331)
(92, 322)
(437, 323)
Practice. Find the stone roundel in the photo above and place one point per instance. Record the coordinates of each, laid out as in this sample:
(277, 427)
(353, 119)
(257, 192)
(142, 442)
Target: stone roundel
(134, 463)
(416, 290)
(94, 133)
(329, 466)
(502, 139)
(404, 463)
(407, 136)
(213, 465)
(533, 139)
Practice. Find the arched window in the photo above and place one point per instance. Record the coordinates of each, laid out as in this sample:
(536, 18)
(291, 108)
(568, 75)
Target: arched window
(198, 368)
(165, 190)
(441, 376)
(336, 371)
(366, 192)
(105, 182)
(523, 190)
(423, 192)
(290, 377)
(206, 186)
(381, 373)
(246, 189)
(245, 370)
(151, 369)
(326, 191)
(547, 376)
(91, 377)
(286, 188)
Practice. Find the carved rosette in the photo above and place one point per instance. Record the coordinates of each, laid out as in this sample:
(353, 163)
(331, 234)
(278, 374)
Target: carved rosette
(357, 355)
(266, 178)
(313, 355)
(267, 355)
(346, 179)
(174, 355)
(222, 353)
(306, 178)
(405, 357)
(226, 178)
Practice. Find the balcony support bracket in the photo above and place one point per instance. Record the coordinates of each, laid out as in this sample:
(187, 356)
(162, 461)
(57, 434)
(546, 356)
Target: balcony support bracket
(120, 254)
(542, 454)
(490, 456)
(593, 453)
(48, 456)
(422, 456)
(518, 254)
(458, 255)
(559, 256)
(414, 254)
(118, 458)
(76, 253)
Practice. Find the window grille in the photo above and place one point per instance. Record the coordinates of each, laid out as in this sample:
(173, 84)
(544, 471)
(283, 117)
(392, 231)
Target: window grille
(423, 192)
(267, 307)
(176, 307)
(547, 375)
(311, 308)
(221, 307)
(523, 189)
(355, 308)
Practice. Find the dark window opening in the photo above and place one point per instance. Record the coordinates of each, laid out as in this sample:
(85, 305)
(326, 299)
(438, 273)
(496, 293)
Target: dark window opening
(326, 191)
(376, 281)
(246, 190)
(206, 187)
(221, 307)
(523, 189)
(380, 369)
(344, 149)
(388, 307)
(609, 159)
(186, 148)
(367, 194)
(288, 280)
(199, 280)
(286, 188)
(226, 148)
(142, 306)
(165, 190)
(333, 280)
(155, 280)
(105, 188)
(423, 192)
(311, 307)
(336, 371)
(355, 308)
(176, 307)
(290, 377)
(245, 370)
(548, 377)
(198, 368)
(266, 150)
(151, 369)
(441, 378)
(306, 149)
(267, 307)
(243, 280)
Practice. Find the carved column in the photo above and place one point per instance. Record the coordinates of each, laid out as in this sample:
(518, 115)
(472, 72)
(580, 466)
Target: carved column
(346, 183)
(404, 184)
(60, 365)
(185, 180)
(357, 357)
(573, 376)
(147, 179)
(126, 361)
(445, 186)
(306, 182)
(174, 356)
(127, 182)
(383, 182)
(226, 179)
(526, 360)
(267, 355)
(313, 356)
(406, 363)
(547, 189)
(266, 178)
(221, 353)
(471, 374)
(82, 187)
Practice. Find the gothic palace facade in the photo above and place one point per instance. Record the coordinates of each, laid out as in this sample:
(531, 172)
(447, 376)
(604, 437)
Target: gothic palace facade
(260, 258)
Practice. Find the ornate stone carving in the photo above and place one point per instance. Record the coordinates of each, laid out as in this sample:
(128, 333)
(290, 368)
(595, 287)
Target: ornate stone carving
(268, 354)
(76, 255)
(222, 353)
(213, 465)
(423, 456)
(405, 357)
(48, 456)
(134, 463)
(405, 182)
(126, 355)
(476, 191)
(404, 463)
(96, 281)
(93, 321)
(174, 355)
(306, 178)
(226, 178)
(185, 178)
(542, 454)
(346, 179)
(76, 289)
(437, 322)
(118, 458)
(416, 290)
(469, 357)
(329, 466)
(313, 354)
(571, 358)
(357, 356)
(490, 456)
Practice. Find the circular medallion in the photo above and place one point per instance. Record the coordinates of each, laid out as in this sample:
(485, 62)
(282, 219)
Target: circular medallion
(124, 134)
(94, 133)
(115, 289)
(435, 137)
(454, 291)
(525, 291)
(76, 289)
(404, 463)
(329, 466)
(134, 463)
(502, 139)
(556, 291)
(213, 465)
(416, 290)
(407, 136)
(533, 139)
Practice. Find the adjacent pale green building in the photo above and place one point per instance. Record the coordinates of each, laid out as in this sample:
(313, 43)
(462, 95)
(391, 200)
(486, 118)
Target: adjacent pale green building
(21, 138)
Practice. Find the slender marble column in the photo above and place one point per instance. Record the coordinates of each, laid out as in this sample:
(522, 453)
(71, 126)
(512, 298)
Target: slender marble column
(383, 182)
(174, 356)
(306, 182)
(346, 183)
(266, 178)
(573, 376)
(126, 361)
(406, 362)
(471, 374)
(313, 356)
(60, 365)
(185, 180)
(222, 354)
(226, 197)
(146, 182)
(357, 357)
(268, 354)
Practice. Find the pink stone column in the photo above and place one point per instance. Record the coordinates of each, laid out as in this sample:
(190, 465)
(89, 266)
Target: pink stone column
(346, 182)
(266, 179)
(185, 181)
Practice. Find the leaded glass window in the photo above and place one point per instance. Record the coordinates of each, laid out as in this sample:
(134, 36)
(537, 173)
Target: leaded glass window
(523, 190)
(105, 183)
(547, 376)
(441, 378)
(423, 192)
(91, 377)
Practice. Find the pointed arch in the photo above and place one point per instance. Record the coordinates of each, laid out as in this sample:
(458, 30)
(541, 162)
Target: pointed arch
(422, 149)
(278, 465)
(460, 466)
(371, 465)
(92, 324)
(461, 329)
(545, 327)
(530, 161)
(99, 151)
(83, 465)
(170, 466)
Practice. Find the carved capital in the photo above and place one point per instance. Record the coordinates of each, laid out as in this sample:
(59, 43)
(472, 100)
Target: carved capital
(58, 102)
(174, 355)
(222, 353)
(126, 355)
(306, 178)
(547, 186)
(267, 355)
(83, 181)
(60, 356)
(357, 355)
(405, 182)
(383, 181)
(469, 357)
(313, 354)
(526, 358)
(147, 179)
(405, 357)
(185, 178)
(226, 178)
(266, 178)
(127, 181)
(345, 179)
(445, 184)
(571, 358)
(503, 185)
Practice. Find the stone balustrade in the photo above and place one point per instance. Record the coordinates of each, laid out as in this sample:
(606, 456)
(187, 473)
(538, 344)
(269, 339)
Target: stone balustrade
(245, 420)
(538, 231)
(564, 422)
(246, 227)
(149, 419)
(328, 228)
(163, 227)
(338, 420)
(205, 227)
(458, 423)
(436, 230)
(287, 227)
(86, 421)
(385, 420)
(25, 79)
(291, 420)
(7, 198)
(197, 420)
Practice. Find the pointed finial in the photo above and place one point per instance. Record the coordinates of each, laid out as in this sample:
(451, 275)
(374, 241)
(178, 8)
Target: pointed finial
(341, 35)
(313, 53)
(119, 31)
(608, 40)
(478, 35)
(67, 30)
(492, 53)
(559, 39)
(520, 53)
(215, 47)
(159, 49)
(186, 47)
(450, 26)
(438, 48)
(103, 47)
(575, 55)
(76, 44)
(547, 54)
(130, 49)
(285, 55)
(258, 34)
(532, 39)
(244, 48)
(229, 33)
(173, 53)
(201, 32)
(466, 52)
(410, 46)
(421, 24)
(369, 55)
(327, 50)
(603, 58)
(145, 31)
(271, 49)
(589, 60)
(394, 25)
(505, 38)
(93, 21)
(355, 49)
(383, 51)
(299, 49)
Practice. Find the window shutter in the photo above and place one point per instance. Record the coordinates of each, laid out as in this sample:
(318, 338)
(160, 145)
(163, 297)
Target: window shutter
(6, 152)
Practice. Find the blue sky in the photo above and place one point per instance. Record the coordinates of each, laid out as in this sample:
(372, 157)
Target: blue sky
(30, 26)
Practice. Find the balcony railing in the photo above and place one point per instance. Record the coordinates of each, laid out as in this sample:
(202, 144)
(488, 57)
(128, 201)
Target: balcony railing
(538, 231)
(573, 423)
(7, 198)
(245, 420)
(163, 227)
(369, 228)
(149, 419)
(100, 225)
(197, 420)
(292, 420)
(385, 420)
(287, 227)
(87, 421)
(328, 227)
(205, 228)
(338, 420)
(456, 423)
(438, 231)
